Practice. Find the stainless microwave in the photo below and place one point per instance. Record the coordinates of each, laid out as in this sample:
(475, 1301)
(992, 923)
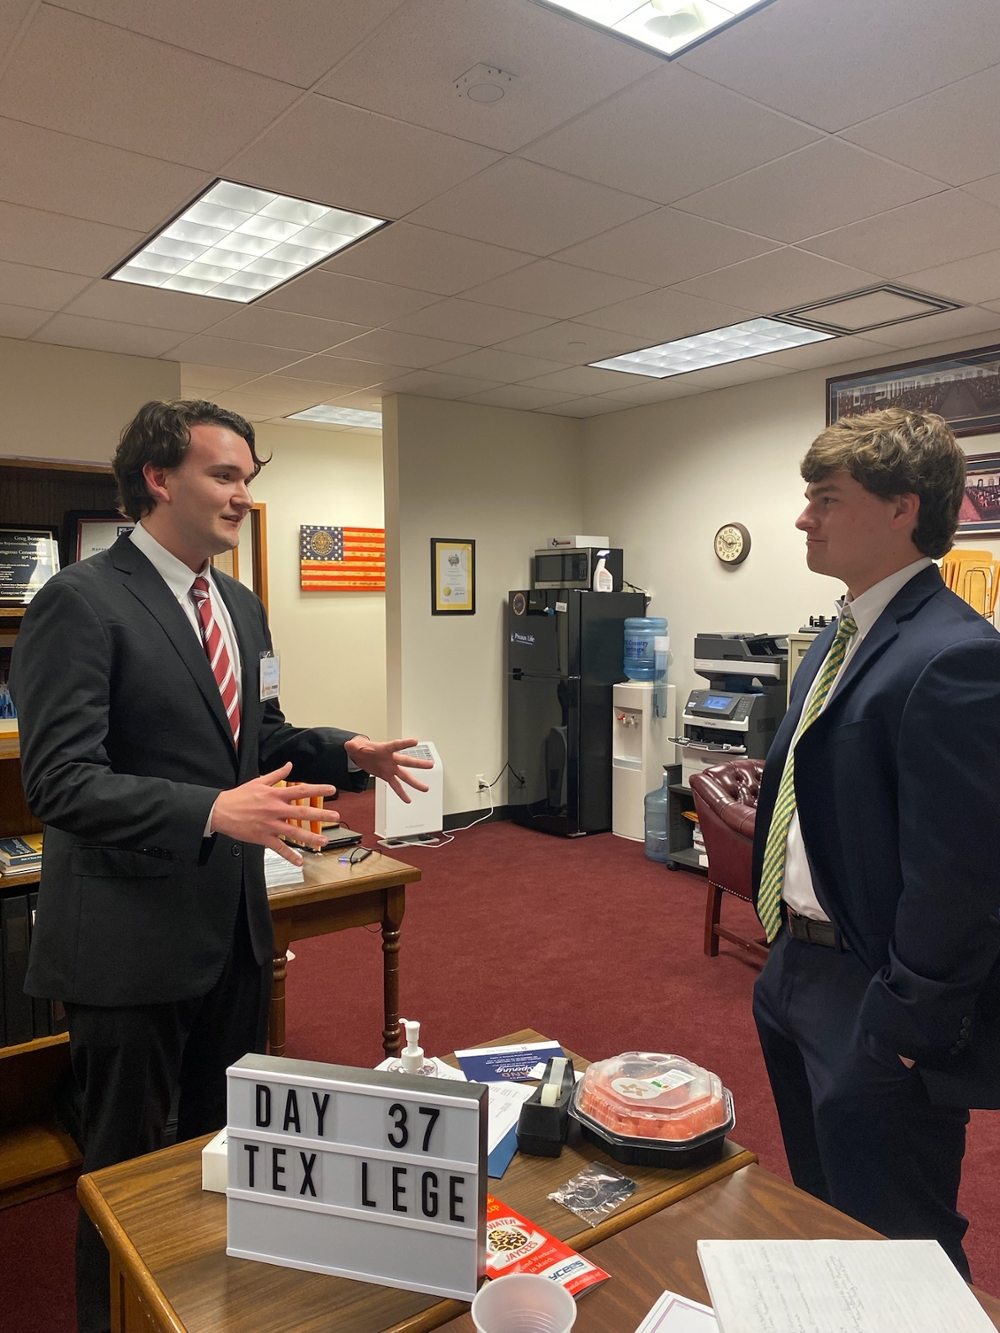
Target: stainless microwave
(573, 567)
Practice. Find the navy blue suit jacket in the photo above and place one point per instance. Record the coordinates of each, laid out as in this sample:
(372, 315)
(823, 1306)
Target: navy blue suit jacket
(897, 786)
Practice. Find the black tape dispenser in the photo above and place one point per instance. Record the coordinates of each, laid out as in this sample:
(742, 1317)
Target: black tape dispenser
(544, 1119)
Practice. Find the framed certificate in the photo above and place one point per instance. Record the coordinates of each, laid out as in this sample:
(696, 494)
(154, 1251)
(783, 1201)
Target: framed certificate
(29, 556)
(453, 576)
(94, 530)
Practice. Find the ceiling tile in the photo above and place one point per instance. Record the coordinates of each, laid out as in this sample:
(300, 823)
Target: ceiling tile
(404, 349)
(281, 328)
(105, 335)
(132, 304)
(583, 380)
(435, 384)
(937, 328)
(665, 247)
(777, 281)
(470, 321)
(337, 154)
(227, 352)
(584, 407)
(69, 245)
(571, 343)
(826, 185)
(40, 288)
(644, 392)
(368, 400)
(81, 77)
(262, 406)
(12, 15)
(736, 372)
(529, 207)
(561, 291)
(409, 68)
(664, 315)
(920, 235)
(521, 397)
(974, 280)
(623, 143)
(432, 261)
(341, 370)
(354, 300)
(211, 379)
(62, 174)
(951, 133)
(295, 43)
(790, 55)
(499, 367)
(987, 189)
(830, 353)
(17, 321)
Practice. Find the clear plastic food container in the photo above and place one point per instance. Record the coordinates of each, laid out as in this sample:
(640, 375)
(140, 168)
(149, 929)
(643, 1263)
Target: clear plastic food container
(654, 1110)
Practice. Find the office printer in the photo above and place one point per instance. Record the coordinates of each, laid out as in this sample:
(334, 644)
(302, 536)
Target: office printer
(737, 715)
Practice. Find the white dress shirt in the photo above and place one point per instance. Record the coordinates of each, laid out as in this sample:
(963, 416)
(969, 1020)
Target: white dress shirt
(797, 889)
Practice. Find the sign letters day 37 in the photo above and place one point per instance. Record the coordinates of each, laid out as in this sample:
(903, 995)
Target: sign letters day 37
(359, 1173)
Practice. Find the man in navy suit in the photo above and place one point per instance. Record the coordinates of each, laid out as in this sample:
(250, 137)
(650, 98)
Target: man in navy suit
(151, 745)
(877, 849)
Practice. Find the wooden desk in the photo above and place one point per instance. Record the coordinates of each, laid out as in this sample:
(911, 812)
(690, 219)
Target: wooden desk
(661, 1252)
(170, 1273)
(336, 896)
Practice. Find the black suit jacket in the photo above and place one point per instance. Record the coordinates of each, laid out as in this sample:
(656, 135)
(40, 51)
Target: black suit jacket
(125, 746)
(897, 786)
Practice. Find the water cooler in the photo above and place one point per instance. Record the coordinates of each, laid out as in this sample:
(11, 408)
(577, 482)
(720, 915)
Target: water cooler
(641, 745)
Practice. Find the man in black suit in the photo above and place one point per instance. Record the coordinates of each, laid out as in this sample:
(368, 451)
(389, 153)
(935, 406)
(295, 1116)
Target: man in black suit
(151, 743)
(877, 849)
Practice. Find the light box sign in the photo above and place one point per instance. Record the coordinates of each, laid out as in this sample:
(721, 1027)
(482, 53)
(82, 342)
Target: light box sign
(359, 1173)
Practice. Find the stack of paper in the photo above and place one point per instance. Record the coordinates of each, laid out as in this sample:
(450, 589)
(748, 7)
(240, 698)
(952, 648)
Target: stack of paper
(279, 871)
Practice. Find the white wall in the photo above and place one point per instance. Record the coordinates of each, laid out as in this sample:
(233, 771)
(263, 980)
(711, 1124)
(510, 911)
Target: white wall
(661, 480)
(332, 644)
(508, 480)
(71, 404)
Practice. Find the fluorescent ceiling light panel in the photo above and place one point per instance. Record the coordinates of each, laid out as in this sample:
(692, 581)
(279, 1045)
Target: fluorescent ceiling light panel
(339, 416)
(667, 26)
(236, 243)
(755, 337)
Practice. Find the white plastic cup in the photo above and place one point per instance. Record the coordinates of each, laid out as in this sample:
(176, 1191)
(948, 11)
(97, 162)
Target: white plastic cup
(523, 1303)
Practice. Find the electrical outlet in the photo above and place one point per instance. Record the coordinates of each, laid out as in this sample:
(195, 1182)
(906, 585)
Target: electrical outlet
(481, 783)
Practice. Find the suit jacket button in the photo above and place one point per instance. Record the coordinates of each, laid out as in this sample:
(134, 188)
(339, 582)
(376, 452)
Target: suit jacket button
(236, 850)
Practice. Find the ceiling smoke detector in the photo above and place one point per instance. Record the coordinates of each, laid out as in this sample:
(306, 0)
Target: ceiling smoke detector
(485, 84)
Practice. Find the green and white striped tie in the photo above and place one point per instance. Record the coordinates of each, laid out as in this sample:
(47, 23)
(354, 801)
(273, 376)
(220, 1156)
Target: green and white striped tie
(773, 874)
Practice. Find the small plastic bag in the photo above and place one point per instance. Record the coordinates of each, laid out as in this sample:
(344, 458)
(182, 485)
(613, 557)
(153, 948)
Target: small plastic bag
(594, 1192)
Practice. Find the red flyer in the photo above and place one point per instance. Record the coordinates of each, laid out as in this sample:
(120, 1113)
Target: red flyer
(515, 1245)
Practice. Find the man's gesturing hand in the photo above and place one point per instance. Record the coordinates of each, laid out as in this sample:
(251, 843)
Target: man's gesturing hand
(383, 760)
(258, 811)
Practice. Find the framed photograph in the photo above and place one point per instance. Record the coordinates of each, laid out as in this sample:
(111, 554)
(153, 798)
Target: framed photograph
(964, 389)
(979, 515)
(89, 531)
(29, 556)
(8, 713)
(453, 576)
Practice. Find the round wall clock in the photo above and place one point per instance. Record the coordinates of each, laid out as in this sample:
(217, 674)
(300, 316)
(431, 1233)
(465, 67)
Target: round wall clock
(732, 543)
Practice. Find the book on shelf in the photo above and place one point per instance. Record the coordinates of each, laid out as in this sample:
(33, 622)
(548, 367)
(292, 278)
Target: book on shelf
(19, 1025)
(22, 852)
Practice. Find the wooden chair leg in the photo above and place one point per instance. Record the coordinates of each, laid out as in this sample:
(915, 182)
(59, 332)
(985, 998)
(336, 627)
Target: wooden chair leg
(713, 909)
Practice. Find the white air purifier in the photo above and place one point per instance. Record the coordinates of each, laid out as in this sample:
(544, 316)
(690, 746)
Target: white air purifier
(425, 812)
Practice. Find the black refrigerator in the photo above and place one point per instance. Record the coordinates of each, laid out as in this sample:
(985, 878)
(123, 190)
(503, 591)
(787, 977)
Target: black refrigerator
(564, 653)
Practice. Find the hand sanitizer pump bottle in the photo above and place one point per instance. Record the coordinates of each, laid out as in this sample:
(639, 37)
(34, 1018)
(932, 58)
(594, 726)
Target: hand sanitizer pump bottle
(411, 1059)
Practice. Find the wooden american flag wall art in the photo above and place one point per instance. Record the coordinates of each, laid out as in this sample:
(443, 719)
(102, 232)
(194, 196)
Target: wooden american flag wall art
(341, 559)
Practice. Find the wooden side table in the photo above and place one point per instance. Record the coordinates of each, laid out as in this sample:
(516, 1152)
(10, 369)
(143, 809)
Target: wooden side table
(337, 896)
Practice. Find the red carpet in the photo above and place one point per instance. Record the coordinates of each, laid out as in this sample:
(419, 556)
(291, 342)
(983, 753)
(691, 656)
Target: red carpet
(583, 939)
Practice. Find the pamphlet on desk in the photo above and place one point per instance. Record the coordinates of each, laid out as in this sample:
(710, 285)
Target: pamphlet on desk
(493, 1064)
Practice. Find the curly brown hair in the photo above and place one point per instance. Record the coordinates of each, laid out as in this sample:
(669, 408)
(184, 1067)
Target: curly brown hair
(897, 452)
(160, 433)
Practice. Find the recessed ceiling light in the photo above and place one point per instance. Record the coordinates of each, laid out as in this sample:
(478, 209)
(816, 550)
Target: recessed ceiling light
(667, 26)
(755, 337)
(236, 242)
(339, 416)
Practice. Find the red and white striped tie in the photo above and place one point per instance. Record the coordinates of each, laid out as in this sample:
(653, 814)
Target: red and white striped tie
(218, 654)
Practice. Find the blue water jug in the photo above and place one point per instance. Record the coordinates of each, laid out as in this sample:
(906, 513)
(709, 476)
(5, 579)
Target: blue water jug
(657, 846)
(641, 633)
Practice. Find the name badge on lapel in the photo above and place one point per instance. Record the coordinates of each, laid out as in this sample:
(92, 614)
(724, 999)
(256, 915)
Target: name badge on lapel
(270, 676)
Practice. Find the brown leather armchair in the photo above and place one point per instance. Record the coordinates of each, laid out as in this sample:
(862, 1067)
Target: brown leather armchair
(725, 798)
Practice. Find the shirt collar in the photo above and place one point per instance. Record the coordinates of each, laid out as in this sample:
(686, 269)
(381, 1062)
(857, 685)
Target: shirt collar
(175, 573)
(867, 608)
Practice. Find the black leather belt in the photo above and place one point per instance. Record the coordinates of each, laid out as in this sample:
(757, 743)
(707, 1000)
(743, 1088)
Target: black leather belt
(815, 932)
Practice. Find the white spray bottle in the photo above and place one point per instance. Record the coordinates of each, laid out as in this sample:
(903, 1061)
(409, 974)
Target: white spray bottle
(603, 580)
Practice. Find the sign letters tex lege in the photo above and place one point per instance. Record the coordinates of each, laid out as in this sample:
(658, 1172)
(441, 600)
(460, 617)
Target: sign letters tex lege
(359, 1173)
